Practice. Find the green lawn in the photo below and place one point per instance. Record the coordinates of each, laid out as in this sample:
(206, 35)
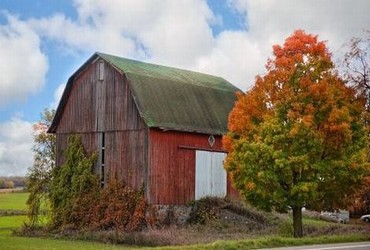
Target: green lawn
(8, 223)
(20, 243)
(13, 201)
(272, 241)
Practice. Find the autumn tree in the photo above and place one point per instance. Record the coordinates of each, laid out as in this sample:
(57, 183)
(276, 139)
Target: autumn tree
(297, 138)
(39, 174)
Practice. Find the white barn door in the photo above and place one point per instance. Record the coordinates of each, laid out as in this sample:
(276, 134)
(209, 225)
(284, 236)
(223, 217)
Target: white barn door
(210, 175)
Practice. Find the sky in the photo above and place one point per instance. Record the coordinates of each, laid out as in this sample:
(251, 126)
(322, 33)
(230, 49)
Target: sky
(43, 42)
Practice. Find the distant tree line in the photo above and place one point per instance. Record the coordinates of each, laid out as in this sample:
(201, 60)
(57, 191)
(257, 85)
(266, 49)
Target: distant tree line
(12, 182)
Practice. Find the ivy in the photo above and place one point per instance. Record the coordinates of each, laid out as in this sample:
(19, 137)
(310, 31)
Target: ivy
(70, 181)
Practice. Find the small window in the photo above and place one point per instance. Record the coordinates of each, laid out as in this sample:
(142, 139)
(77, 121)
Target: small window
(101, 71)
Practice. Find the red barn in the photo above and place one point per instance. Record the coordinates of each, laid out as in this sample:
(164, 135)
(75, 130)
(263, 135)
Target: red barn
(156, 126)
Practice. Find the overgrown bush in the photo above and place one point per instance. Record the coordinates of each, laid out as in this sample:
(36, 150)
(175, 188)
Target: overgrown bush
(71, 183)
(78, 203)
(121, 207)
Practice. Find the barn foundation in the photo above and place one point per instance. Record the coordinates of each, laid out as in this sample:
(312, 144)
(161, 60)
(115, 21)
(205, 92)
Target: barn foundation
(172, 214)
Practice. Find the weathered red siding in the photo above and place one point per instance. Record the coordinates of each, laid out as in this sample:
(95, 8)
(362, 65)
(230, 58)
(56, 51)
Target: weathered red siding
(106, 106)
(126, 153)
(102, 105)
(171, 173)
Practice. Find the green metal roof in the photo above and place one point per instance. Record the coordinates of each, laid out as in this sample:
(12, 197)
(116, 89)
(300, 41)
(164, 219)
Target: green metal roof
(176, 99)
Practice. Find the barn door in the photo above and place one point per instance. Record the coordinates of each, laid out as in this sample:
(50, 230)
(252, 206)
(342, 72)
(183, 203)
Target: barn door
(210, 175)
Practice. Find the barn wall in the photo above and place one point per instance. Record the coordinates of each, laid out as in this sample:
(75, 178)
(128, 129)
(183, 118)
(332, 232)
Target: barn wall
(126, 156)
(106, 106)
(171, 162)
(95, 105)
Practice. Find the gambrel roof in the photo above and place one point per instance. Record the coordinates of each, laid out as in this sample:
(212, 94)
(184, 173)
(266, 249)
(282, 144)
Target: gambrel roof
(170, 98)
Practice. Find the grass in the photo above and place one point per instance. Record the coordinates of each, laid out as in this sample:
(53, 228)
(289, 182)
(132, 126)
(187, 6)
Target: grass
(314, 222)
(23, 243)
(262, 242)
(13, 201)
(217, 232)
(267, 242)
(273, 241)
(9, 223)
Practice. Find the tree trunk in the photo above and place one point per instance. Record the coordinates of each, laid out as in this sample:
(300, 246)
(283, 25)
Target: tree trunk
(297, 222)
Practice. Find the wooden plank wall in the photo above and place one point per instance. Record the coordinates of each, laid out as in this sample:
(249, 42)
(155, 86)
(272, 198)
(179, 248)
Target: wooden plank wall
(80, 106)
(126, 156)
(120, 111)
(171, 173)
(106, 106)
(96, 106)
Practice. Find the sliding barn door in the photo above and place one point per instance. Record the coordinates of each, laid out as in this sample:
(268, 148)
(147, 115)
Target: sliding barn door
(210, 175)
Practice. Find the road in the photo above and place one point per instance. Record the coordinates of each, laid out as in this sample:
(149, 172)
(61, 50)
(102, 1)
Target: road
(365, 245)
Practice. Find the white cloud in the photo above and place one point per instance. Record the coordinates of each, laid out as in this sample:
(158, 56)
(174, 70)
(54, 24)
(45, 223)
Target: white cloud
(15, 147)
(235, 56)
(271, 21)
(83, 36)
(181, 33)
(178, 33)
(22, 65)
(173, 32)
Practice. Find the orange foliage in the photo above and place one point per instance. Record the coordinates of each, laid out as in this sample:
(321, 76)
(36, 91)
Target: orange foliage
(302, 118)
(301, 85)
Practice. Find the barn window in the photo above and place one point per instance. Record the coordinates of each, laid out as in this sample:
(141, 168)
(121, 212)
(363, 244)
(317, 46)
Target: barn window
(101, 71)
(210, 175)
(102, 159)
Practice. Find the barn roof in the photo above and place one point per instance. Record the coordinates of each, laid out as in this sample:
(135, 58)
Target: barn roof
(171, 98)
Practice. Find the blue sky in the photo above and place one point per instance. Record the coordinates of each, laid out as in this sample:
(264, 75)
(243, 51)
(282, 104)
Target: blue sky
(43, 42)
